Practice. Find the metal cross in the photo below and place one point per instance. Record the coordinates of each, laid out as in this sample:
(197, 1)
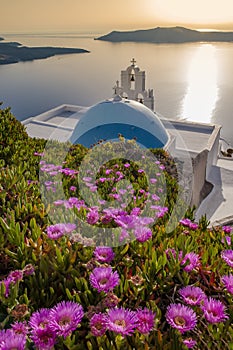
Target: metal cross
(133, 61)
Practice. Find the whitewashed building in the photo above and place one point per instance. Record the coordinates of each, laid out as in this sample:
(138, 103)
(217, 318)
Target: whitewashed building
(130, 112)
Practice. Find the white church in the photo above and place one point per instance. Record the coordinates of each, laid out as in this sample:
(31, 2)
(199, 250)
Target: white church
(130, 113)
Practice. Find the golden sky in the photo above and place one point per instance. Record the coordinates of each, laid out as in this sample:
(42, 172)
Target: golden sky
(100, 16)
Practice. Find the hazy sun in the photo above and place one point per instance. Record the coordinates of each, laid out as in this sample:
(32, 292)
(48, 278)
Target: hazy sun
(194, 11)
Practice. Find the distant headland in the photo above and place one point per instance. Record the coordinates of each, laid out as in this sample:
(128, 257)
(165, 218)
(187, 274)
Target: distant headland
(167, 35)
(13, 52)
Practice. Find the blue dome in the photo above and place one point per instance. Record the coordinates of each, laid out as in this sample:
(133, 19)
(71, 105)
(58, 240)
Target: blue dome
(107, 119)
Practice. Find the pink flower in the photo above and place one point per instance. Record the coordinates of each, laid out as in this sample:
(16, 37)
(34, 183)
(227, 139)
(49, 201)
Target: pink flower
(104, 254)
(181, 317)
(142, 233)
(122, 321)
(104, 279)
(98, 324)
(6, 283)
(193, 226)
(155, 197)
(192, 295)
(226, 239)
(15, 276)
(193, 261)
(228, 283)
(58, 230)
(9, 340)
(145, 320)
(20, 327)
(227, 256)
(41, 333)
(227, 229)
(28, 270)
(185, 222)
(189, 342)
(214, 310)
(65, 317)
(92, 216)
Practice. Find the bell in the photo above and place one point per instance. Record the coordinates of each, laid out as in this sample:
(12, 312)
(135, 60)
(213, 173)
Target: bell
(132, 78)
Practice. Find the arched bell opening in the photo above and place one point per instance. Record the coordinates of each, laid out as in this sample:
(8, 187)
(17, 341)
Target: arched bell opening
(140, 98)
(132, 79)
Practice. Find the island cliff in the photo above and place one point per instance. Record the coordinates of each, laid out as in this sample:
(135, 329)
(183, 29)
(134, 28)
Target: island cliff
(14, 52)
(167, 35)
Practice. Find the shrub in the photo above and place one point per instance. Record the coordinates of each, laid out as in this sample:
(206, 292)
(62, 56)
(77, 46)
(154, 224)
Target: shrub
(59, 291)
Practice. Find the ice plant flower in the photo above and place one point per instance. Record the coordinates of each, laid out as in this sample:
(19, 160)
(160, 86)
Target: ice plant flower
(92, 216)
(6, 282)
(55, 231)
(20, 328)
(38, 154)
(181, 317)
(171, 252)
(227, 229)
(226, 239)
(108, 171)
(41, 333)
(122, 321)
(43, 339)
(15, 276)
(39, 319)
(58, 230)
(58, 202)
(98, 324)
(193, 260)
(65, 317)
(193, 226)
(228, 282)
(189, 342)
(185, 222)
(124, 236)
(135, 211)
(104, 254)
(9, 340)
(87, 179)
(68, 227)
(155, 197)
(142, 233)
(227, 256)
(214, 310)
(145, 320)
(28, 270)
(104, 279)
(192, 295)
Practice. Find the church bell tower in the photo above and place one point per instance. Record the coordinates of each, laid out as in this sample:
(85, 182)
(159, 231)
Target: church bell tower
(133, 86)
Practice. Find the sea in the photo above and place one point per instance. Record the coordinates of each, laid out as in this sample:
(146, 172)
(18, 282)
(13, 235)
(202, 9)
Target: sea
(191, 81)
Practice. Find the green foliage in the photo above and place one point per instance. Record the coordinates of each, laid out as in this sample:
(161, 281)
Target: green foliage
(148, 276)
(12, 132)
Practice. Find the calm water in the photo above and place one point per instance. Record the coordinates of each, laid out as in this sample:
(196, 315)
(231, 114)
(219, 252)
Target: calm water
(192, 81)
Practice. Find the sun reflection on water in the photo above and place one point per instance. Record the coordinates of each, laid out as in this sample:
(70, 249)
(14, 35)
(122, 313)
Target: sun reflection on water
(202, 92)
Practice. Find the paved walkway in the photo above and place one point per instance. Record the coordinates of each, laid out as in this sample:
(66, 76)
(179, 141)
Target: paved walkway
(218, 205)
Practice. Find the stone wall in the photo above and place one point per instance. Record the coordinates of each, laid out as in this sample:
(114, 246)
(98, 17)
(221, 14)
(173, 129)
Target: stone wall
(199, 177)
